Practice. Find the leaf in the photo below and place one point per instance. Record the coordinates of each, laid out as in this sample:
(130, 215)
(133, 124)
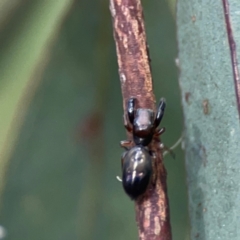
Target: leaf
(211, 117)
(24, 49)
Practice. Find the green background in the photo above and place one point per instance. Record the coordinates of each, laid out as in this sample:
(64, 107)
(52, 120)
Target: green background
(61, 120)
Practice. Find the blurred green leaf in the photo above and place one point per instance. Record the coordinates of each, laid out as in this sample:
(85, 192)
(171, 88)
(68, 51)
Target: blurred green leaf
(172, 6)
(211, 116)
(24, 47)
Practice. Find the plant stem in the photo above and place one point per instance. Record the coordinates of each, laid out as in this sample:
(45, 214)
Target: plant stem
(152, 209)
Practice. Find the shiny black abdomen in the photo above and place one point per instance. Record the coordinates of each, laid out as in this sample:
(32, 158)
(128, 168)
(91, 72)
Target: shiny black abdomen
(137, 171)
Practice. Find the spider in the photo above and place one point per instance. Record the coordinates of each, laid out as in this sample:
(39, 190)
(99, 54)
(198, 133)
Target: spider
(137, 160)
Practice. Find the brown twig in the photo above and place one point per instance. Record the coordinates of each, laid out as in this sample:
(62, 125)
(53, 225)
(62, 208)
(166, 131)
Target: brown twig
(152, 211)
(233, 52)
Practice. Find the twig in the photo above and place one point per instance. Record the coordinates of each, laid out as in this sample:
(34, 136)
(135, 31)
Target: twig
(152, 210)
(233, 52)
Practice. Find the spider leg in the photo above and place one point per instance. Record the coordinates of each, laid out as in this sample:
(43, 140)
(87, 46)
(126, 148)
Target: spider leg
(118, 178)
(160, 112)
(126, 144)
(167, 150)
(159, 131)
(170, 150)
(126, 124)
(131, 109)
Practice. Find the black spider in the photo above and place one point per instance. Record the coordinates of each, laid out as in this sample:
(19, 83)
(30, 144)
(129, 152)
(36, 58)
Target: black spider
(137, 160)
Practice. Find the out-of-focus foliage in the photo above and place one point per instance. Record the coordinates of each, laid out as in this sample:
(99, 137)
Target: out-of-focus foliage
(61, 121)
(172, 6)
(209, 50)
(26, 33)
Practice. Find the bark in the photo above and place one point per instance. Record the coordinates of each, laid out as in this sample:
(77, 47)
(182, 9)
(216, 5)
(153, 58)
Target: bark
(152, 211)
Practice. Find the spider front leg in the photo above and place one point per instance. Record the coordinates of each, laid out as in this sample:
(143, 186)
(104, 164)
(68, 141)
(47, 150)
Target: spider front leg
(128, 118)
(160, 112)
(131, 109)
(127, 144)
(126, 124)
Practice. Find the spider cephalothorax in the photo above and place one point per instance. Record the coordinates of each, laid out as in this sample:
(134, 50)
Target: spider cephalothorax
(143, 122)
